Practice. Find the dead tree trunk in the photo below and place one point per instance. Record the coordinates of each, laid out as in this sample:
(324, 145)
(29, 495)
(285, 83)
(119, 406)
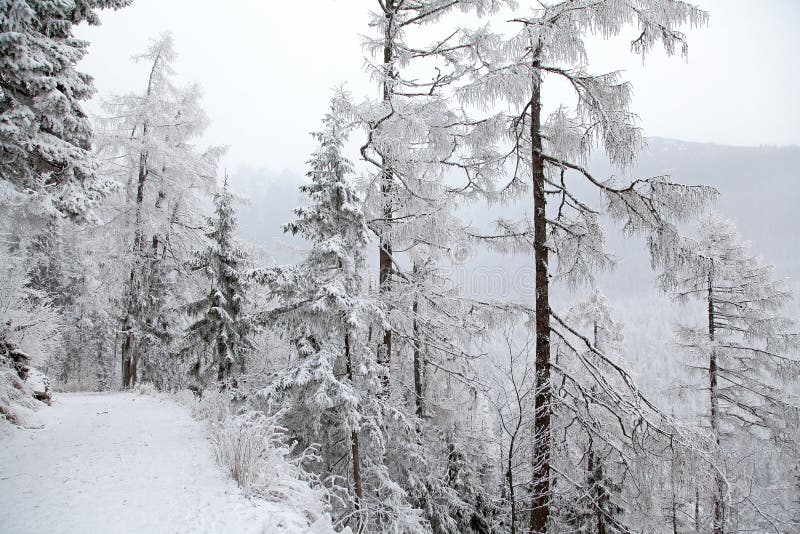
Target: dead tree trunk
(541, 490)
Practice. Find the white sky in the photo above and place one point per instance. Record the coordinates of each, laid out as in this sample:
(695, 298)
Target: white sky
(267, 68)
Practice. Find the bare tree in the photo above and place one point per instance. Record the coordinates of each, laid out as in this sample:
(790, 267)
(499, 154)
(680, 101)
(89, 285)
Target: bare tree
(512, 396)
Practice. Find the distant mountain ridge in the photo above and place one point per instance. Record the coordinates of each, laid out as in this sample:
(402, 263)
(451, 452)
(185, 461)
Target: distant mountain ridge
(759, 189)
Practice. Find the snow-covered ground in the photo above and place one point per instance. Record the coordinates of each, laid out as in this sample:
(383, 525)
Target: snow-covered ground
(123, 463)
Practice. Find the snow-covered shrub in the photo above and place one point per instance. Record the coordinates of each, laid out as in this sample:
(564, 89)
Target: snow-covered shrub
(27, 318)
(29, 330)
(146, 388)
(17, 403)
(39, 384)
(254, 450)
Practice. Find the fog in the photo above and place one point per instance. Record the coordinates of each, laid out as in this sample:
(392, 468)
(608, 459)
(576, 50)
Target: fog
(268, 68)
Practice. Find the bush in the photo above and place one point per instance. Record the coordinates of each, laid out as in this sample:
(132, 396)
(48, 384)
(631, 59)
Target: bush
(145, 388)
(252, 447)
(17, 403)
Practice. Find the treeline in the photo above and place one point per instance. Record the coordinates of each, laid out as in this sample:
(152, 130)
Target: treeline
(415, 407)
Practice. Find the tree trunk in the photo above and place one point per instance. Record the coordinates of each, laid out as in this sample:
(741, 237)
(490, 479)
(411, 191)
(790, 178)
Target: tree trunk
(697, 510)
(593, 463)
(593, 489)
(223, 363)
(357, 487)
(540, 501)
(128, 369)
(129, 355)
(674, 518)
(719, 502)
(387, 177)
(419, 363)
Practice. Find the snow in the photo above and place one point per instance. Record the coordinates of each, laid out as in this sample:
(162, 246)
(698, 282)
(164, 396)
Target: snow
(37, 381)
(120, 462)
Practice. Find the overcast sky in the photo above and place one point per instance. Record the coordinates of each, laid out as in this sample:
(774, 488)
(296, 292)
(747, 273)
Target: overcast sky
(267, 68)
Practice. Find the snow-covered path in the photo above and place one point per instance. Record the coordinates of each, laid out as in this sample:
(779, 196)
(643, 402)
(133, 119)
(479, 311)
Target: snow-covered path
(118, 463)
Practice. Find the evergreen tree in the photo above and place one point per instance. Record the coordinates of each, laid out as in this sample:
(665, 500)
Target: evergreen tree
(329, 388)
(45, 140)
(222, 326)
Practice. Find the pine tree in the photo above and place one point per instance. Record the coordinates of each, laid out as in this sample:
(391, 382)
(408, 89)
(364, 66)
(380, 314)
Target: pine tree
(745, 348)
(222, 326)
(325, 313)
(45, 141)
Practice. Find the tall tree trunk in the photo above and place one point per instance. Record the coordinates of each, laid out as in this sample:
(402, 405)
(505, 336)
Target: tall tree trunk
(593, 465)
(127, 352)
(719, 503)
(223, 363)
(674, 496)
(541, 490)
(387, 178)
(129, 355)
(593, 489)
(357, 486)
(419, 363)
(697, 510)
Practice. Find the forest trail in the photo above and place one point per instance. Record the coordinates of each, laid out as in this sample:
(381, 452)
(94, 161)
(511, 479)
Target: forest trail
(122, 463)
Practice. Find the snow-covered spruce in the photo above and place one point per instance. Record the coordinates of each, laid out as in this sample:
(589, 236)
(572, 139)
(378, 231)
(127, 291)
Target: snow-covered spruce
(218, 339)
(327, 391)
(46, 138)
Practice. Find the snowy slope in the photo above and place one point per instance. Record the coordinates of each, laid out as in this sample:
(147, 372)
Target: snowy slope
(127, 464)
